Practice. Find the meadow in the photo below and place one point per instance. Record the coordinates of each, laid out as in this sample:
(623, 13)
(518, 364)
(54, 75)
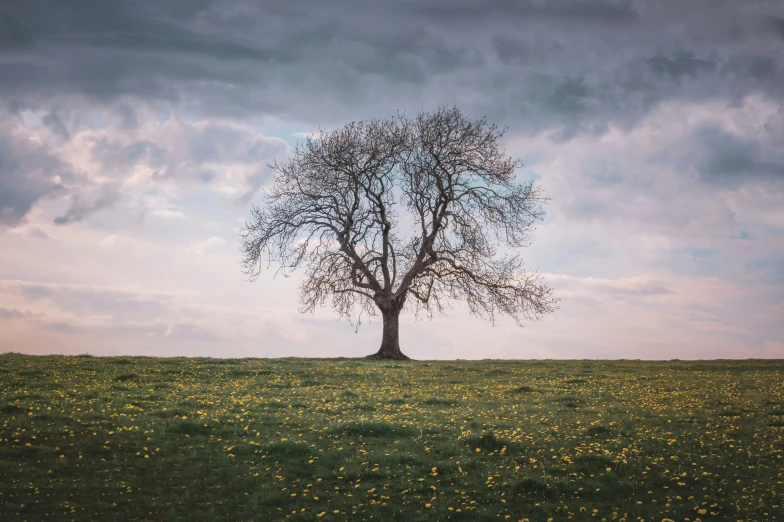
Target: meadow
(132, 438)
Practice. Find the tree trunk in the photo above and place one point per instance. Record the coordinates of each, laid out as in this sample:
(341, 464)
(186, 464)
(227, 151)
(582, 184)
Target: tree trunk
(390, 340)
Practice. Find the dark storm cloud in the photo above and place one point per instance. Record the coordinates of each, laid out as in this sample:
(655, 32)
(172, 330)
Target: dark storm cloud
(26, 175)
(752, 66)
(537, 64)
(604, 12)
(56, 125)
(727, 158)
(776, 24)
(682, 63)
(559, 67)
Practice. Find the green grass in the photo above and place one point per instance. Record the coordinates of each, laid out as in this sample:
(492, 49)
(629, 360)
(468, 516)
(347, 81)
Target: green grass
(89, 438)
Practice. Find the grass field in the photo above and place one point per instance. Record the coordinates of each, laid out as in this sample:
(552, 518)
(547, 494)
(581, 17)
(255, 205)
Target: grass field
(89, 438)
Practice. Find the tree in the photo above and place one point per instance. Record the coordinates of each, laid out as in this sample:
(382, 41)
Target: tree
(335, 209)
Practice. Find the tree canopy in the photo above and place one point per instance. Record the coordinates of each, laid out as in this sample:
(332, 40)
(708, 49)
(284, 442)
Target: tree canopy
(402, 213)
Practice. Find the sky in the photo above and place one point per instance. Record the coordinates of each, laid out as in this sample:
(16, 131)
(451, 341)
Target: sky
(135, 135)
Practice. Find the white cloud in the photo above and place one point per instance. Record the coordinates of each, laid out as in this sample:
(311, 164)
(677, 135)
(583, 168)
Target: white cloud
(208, 245)
(168, 214)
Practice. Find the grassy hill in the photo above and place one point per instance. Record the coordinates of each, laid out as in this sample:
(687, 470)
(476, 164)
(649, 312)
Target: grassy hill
(89, 438)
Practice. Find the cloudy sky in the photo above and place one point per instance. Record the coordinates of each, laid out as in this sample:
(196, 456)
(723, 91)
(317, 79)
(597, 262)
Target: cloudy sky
(134, 135)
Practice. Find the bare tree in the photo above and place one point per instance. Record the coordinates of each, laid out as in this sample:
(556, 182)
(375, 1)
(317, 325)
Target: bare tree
(335, 208)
